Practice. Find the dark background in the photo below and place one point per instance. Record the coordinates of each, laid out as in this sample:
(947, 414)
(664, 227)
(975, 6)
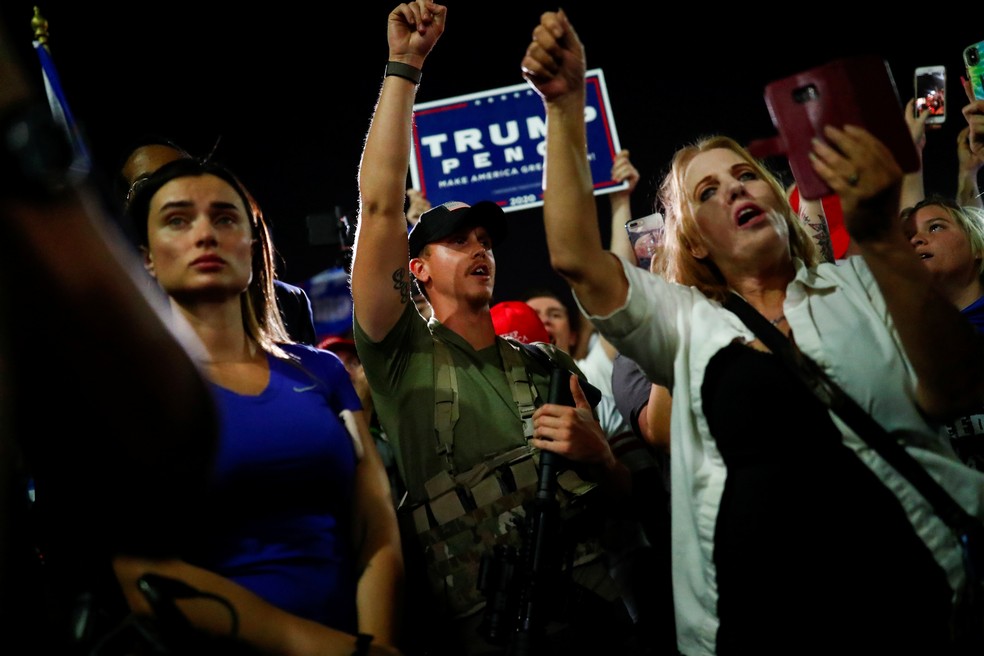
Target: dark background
(288, 90)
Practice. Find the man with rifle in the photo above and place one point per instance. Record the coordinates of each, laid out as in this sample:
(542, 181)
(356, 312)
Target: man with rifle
(464, 409)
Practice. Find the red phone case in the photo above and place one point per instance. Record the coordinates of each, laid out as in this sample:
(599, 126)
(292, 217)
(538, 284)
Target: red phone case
(855, 90)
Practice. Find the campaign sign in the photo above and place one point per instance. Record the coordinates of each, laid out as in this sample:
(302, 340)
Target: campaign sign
(331, 301)
(491, 145)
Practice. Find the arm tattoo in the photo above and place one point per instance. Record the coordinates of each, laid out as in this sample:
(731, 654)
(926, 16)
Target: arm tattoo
(820, 233)
(402, 285)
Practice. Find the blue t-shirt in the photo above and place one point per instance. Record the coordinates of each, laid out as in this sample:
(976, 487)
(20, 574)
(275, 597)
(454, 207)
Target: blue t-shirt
(975, 314)
(280, 510)
(967, 432)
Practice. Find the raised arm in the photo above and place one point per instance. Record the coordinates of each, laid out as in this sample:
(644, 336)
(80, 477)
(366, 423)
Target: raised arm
(973, 113)
(554, 65)
(968, 167)
(970, 149)
(65, 262)
(621, 202)
(62, 250)
(380, 273)
(913, 185)
(943, 347)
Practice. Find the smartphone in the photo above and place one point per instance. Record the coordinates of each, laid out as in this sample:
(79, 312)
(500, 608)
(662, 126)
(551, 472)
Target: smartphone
(855, 90)
(930, 85)
(973, 56)
(646, 237)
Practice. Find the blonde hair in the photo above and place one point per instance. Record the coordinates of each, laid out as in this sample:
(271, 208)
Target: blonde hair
(676, 260)
(968, 218)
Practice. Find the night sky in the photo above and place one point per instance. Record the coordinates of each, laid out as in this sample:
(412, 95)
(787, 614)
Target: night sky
(288, 92)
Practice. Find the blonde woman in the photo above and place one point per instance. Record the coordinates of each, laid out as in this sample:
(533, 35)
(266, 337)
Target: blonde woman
(789, 534)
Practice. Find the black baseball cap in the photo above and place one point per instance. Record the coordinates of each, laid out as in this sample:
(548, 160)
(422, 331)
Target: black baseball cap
(442, 220)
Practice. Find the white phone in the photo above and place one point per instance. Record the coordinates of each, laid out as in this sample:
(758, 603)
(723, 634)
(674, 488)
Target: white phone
(646, 237)
(930, 85)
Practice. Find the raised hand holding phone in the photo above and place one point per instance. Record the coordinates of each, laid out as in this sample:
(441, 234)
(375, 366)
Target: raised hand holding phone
(857, 91)
(930, 86)
(974, 114)
(973, 57)
(646, 237)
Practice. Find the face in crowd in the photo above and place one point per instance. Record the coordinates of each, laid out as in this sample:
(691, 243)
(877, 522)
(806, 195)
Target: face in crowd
(199, 238)
(556, 319)
(460, 266)
(948, 239)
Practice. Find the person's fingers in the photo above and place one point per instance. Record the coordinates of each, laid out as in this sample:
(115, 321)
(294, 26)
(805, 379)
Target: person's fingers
(553, 446)
(963, 137)
(557, 23)
(968, 88)
(832, 159)
(580, 401)
(922, 117)
(538, 63)
(551, 416)
(855, 162)
(413, 14)
(437, 13)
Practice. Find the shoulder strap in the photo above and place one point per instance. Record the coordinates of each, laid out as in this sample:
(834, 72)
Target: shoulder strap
(445, 401)
(520, 383)
(816, 380)
(446, 396)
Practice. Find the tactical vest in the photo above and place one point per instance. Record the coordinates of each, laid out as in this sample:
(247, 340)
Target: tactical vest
(468, 513)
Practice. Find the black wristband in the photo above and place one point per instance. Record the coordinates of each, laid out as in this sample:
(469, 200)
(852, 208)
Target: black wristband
(362, 642)
(36, 157)
(406, 71)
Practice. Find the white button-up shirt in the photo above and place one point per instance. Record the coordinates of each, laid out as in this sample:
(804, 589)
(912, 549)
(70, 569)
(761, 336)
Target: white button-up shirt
(839, 319)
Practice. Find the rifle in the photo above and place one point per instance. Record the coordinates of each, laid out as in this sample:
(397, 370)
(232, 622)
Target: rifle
(544, 544)
(518, 610)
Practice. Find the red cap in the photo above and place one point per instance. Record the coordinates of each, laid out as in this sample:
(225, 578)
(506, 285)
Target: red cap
(518, 320)
(335, 343)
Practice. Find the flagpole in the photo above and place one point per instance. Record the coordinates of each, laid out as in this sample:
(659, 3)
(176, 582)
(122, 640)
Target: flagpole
(57, 101)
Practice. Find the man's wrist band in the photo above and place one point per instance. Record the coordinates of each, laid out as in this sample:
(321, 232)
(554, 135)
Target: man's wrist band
(406, 71)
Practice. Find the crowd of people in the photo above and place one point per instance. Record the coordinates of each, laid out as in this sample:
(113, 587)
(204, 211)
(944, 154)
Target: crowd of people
(619, 467)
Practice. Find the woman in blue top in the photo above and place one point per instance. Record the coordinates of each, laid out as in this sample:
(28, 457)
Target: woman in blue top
(301, 526)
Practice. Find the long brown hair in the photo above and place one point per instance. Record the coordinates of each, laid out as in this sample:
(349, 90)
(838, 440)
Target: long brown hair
(261, 315)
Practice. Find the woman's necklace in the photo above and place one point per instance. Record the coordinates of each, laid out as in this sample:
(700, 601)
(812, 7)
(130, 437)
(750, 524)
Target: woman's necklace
(778, 320)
